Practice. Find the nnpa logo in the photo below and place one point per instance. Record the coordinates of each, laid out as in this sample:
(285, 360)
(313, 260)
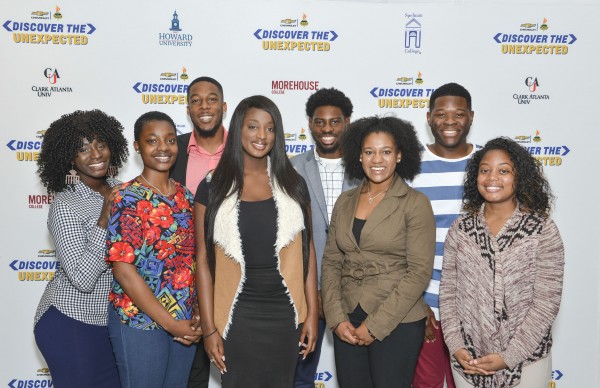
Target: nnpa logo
(164, 92)
(174, 37)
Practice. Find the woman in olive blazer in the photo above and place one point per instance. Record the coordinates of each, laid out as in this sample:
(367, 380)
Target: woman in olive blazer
(378, 258)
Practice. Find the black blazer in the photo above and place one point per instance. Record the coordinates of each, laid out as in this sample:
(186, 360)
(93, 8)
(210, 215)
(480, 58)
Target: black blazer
(179, 170)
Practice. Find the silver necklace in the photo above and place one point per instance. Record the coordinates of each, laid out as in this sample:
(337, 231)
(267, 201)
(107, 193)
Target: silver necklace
(156, 188)
(371, 199)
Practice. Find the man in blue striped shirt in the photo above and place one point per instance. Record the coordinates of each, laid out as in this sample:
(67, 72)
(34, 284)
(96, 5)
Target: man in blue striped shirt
(442, 174)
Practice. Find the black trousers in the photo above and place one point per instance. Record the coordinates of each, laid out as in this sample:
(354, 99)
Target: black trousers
(200, 372)
(383, 364)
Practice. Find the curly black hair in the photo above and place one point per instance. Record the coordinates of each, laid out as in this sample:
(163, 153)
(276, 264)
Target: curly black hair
(330, 96)
(403, 133)
(64, 138)
(532, 190)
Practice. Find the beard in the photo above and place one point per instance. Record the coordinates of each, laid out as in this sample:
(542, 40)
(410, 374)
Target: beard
(324, 150)
(211, 132)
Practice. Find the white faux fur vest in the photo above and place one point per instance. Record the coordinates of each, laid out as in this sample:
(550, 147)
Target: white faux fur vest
(290, 221)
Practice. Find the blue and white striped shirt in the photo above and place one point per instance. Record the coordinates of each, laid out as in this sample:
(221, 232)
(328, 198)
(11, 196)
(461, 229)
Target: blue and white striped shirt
(442, 180)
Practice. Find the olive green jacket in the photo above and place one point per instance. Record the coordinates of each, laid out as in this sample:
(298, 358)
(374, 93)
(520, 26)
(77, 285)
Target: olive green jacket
(391, 267)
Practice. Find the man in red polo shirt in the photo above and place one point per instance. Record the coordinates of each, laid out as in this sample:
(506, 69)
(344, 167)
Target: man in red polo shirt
(198, 153)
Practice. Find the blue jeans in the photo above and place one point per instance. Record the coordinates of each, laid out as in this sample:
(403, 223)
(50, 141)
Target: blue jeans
(149, 358)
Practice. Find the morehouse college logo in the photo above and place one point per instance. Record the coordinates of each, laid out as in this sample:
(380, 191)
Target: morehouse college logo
(280, 86)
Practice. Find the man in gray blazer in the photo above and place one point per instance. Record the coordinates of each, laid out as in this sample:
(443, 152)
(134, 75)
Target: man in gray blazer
(328, 112)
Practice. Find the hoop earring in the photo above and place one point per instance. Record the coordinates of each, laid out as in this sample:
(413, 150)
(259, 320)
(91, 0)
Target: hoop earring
(72, 177)
(113, 171)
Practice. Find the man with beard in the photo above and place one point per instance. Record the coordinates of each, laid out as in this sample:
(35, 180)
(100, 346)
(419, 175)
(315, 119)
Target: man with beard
(443, 169)
(198, 153)
(328, 112)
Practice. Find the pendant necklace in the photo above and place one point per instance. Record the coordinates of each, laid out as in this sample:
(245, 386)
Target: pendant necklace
(371, 199)
(156, 188)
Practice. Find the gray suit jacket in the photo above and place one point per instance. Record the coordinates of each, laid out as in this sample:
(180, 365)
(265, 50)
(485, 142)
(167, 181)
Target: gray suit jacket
(307, 167)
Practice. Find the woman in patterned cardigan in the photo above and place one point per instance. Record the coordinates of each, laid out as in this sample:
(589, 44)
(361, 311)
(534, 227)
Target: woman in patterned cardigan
(502, 273)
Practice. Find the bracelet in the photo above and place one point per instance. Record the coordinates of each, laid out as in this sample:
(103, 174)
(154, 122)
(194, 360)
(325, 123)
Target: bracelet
(371, 334)
(208, 335)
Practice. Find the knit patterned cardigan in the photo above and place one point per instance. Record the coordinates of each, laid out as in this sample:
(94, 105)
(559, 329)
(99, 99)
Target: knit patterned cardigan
(501, 294)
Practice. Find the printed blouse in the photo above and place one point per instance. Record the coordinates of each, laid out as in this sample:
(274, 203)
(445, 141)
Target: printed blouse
(155, 234)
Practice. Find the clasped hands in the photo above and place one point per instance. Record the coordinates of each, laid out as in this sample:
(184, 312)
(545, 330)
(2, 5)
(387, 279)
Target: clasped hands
(194, 325)
(485, 365)
(354, 335)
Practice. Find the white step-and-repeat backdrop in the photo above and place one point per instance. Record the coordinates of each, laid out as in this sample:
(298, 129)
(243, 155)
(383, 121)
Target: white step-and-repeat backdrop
(532, 70)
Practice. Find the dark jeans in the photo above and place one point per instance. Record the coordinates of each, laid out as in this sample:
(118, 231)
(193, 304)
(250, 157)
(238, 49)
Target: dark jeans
(78, 355)
(383, 364)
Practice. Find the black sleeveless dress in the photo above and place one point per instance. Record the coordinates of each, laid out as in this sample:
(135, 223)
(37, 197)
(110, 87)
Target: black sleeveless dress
(261, 348)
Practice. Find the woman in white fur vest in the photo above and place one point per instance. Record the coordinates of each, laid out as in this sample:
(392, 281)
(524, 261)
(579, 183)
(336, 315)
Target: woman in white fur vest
(257, 275)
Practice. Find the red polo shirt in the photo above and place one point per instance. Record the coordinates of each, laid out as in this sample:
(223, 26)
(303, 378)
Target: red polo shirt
(200, 162)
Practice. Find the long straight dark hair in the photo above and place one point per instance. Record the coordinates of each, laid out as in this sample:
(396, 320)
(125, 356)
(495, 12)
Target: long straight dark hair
(228, 177)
